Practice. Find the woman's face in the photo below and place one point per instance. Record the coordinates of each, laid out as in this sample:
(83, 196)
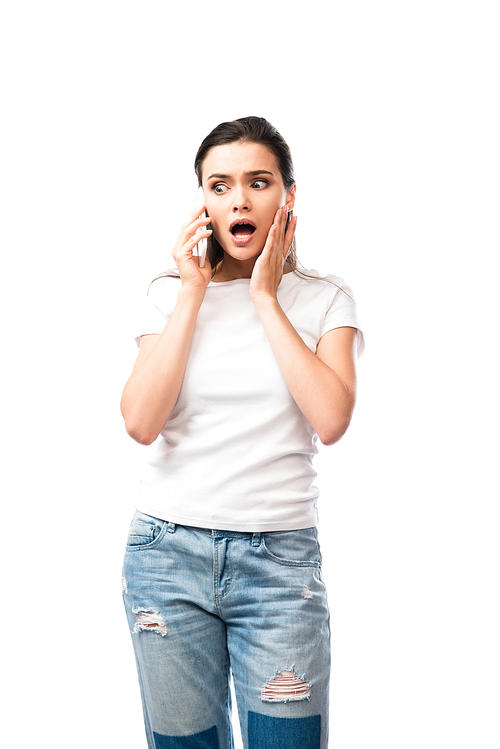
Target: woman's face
(243, 189)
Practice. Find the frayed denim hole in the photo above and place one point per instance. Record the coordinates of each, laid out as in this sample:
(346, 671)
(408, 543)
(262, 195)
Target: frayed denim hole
(148, 619)
(286, 686)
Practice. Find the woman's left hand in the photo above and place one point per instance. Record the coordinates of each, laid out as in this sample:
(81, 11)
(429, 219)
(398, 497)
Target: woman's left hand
(268, 269)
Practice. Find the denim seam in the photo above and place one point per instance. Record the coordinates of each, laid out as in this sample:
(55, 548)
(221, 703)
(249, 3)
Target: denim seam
(219, 595)
(288, 562)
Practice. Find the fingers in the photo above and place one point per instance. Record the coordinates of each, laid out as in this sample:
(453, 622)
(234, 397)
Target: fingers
(194, 221)
(189, 242)
(194, 215)
(194, 228)
(192, 231)
(281, 236)
(290, 233)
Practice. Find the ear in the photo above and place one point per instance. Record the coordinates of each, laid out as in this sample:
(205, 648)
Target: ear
(290, 197)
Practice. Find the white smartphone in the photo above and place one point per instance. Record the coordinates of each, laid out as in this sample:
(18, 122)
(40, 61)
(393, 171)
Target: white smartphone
(201, 247)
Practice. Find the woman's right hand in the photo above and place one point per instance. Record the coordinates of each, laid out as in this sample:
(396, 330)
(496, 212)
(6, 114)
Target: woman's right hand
(191, 274)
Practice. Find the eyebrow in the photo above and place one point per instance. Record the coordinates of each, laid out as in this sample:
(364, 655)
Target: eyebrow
(254, 173)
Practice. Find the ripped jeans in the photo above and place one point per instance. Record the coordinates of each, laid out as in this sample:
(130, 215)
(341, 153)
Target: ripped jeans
(202, 604)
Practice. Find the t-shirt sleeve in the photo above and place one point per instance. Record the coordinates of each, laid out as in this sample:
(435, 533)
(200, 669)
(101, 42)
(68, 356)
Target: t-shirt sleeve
(342, 311)
(156, 308)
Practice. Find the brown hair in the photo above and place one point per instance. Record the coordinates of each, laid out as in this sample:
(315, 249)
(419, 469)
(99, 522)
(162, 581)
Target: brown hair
(247, 130)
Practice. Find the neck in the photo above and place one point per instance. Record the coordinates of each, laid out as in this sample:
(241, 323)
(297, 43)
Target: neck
(230, 269)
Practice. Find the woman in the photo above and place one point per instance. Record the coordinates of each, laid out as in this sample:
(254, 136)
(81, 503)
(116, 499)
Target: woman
(242, 363)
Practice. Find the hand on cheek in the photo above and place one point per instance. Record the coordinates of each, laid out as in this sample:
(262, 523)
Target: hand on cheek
(268, 269)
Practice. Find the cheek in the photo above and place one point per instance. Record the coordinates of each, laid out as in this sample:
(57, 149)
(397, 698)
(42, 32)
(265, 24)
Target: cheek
(270, 213)
(215, 223)
(213, 210)
(274, 203)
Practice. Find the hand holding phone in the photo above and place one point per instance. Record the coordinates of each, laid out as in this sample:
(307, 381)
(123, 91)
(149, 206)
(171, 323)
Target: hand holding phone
(201, 247)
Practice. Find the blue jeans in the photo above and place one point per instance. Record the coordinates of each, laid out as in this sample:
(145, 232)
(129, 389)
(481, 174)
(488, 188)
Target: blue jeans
(203, 603)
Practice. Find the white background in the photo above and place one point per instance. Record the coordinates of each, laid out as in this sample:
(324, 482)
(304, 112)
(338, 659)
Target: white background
(391, 111)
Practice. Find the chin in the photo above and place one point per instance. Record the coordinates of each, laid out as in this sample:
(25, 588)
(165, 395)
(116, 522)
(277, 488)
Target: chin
(246, 252)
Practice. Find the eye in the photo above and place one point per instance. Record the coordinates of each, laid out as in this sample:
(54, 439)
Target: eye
(259, 184)
(219, 189)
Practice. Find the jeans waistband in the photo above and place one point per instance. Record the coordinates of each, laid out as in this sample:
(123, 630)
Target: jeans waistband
(215, 533)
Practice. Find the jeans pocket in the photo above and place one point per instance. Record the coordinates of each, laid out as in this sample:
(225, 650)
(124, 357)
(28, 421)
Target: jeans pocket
(145, 532)
(293, 548)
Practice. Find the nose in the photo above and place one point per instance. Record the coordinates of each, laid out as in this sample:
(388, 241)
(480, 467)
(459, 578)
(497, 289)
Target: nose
(241, 201)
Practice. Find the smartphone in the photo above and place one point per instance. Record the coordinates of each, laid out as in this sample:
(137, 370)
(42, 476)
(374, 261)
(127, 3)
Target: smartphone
(201, 247)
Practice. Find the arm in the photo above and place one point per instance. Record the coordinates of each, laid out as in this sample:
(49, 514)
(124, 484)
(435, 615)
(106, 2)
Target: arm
(152, 389)
(322, 384)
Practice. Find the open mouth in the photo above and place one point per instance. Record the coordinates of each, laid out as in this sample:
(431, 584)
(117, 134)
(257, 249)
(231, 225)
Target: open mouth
(242, 229)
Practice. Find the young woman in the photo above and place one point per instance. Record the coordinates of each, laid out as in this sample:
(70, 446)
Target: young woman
(242, 364)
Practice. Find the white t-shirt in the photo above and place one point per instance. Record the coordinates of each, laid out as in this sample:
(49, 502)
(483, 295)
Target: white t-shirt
(236, 452)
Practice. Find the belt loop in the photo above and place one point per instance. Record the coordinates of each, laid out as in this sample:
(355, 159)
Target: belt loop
(256, 539)
(170, 527)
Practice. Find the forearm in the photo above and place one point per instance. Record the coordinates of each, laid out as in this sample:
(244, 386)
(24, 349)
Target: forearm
(320, 393)
(151, 392)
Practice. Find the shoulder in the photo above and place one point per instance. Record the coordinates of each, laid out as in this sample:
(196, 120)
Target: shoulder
(164, 281)
(310, 281)
(163, 289)
(329, 300)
